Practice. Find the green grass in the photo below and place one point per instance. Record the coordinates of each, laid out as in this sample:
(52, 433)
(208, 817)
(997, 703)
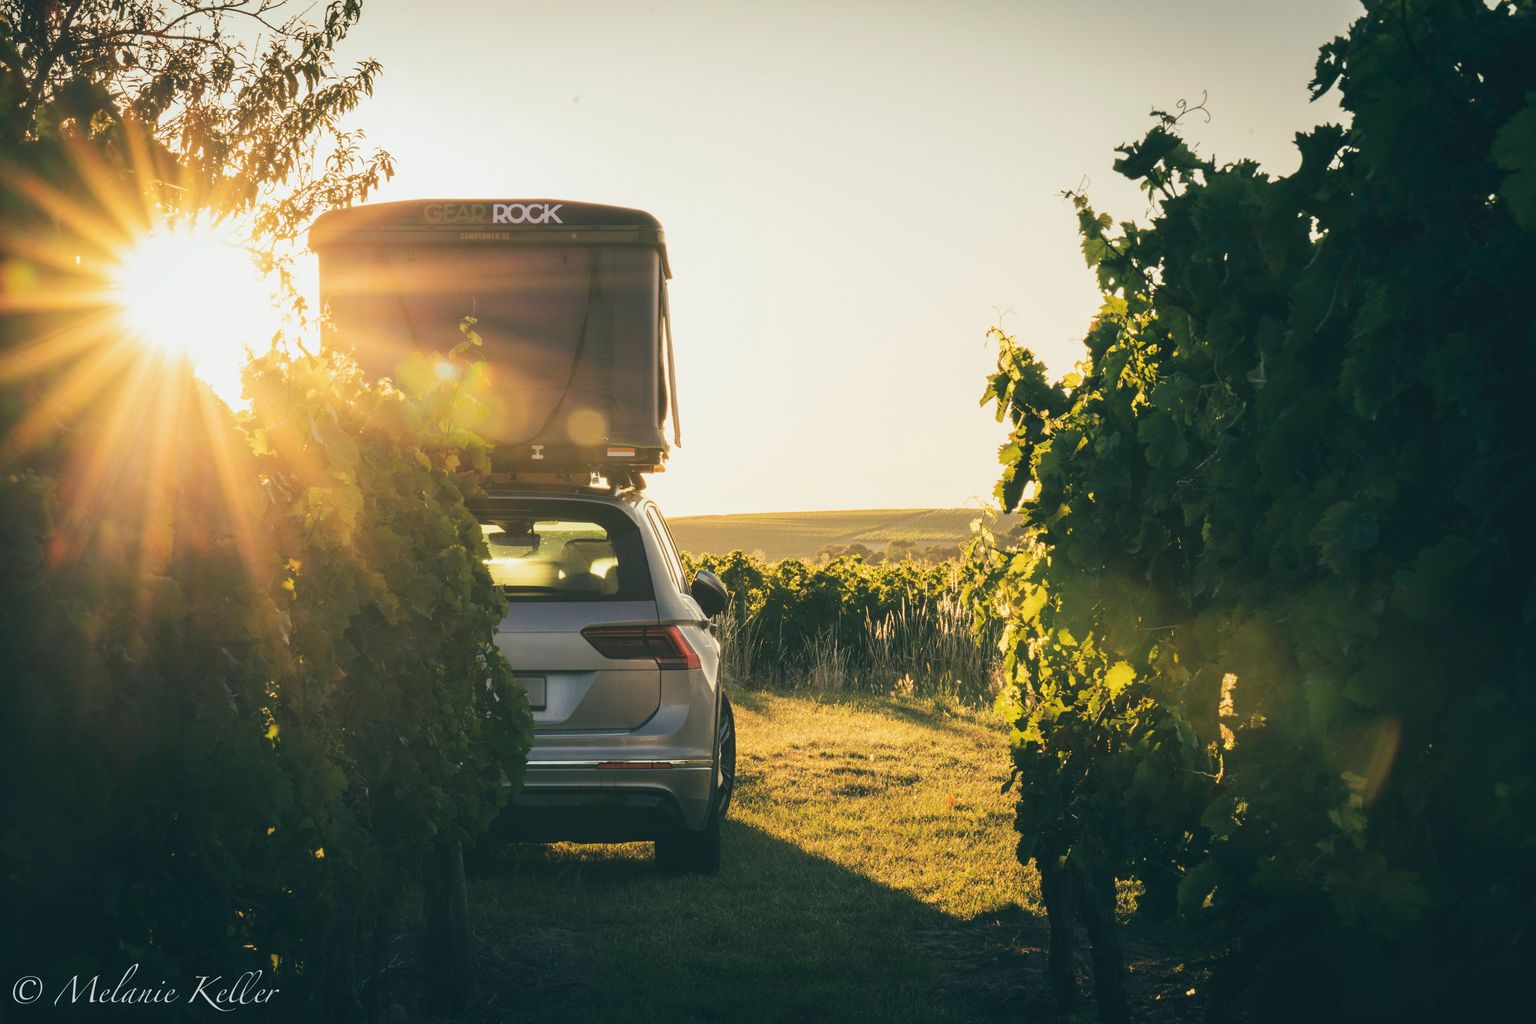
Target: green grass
(902, 793)
(852, 888)
(868, 875)
(801, 534)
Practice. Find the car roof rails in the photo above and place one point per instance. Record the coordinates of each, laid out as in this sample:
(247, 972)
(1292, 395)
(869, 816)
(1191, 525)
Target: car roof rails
(618, 482)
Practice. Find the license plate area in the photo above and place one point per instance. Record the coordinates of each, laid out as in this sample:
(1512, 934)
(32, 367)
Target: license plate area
(537, 688)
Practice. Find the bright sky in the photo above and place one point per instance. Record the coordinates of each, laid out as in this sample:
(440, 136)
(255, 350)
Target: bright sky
(852, 192)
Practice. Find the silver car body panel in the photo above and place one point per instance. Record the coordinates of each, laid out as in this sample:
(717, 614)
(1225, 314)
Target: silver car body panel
(601, 715)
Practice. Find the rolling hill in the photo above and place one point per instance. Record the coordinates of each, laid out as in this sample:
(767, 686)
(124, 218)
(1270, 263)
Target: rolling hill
(801, 534)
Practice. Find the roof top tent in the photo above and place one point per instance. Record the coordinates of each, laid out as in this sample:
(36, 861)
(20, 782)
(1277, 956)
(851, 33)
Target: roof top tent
(569, 299)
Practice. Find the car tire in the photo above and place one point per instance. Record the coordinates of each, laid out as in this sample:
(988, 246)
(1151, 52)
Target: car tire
(685, 851)
(725, 776)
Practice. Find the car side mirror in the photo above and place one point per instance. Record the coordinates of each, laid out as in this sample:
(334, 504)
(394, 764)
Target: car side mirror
(709, 592)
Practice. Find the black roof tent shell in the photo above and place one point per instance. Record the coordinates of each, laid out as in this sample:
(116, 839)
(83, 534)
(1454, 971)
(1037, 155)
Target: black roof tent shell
(429, 221)
(499, 223)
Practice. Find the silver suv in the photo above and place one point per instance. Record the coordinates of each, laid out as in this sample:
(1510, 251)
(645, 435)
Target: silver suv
(633, 735)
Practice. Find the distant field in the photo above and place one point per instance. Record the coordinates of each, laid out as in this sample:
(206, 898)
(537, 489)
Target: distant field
(802, 534)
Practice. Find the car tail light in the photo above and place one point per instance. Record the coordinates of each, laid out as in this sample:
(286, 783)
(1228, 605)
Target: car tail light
(664, 645)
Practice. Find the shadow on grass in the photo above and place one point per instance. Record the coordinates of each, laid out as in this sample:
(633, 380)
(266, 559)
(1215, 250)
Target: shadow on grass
(596, 934)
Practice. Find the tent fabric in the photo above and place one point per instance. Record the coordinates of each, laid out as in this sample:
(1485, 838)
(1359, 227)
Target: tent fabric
(571, 333)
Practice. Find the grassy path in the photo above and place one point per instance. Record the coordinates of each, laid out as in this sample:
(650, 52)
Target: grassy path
(867, 876)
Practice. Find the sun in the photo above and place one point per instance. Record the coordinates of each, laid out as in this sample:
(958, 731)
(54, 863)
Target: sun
(191, 292)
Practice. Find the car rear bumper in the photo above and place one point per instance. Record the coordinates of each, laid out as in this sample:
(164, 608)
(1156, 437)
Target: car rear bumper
(601, 802)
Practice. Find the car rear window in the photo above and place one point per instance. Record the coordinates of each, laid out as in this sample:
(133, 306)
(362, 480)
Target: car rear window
(564, 551)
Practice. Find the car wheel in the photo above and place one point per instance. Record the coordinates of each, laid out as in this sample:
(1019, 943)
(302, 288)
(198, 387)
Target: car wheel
(725, 778)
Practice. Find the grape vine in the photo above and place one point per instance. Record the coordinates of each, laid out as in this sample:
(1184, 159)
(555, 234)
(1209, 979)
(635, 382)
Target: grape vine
(1271, 630)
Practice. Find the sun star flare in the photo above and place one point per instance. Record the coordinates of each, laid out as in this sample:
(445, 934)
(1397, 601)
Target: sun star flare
(189, 292)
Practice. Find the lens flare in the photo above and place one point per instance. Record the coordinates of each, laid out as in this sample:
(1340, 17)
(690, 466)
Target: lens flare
(111, 303)
(188, 292)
